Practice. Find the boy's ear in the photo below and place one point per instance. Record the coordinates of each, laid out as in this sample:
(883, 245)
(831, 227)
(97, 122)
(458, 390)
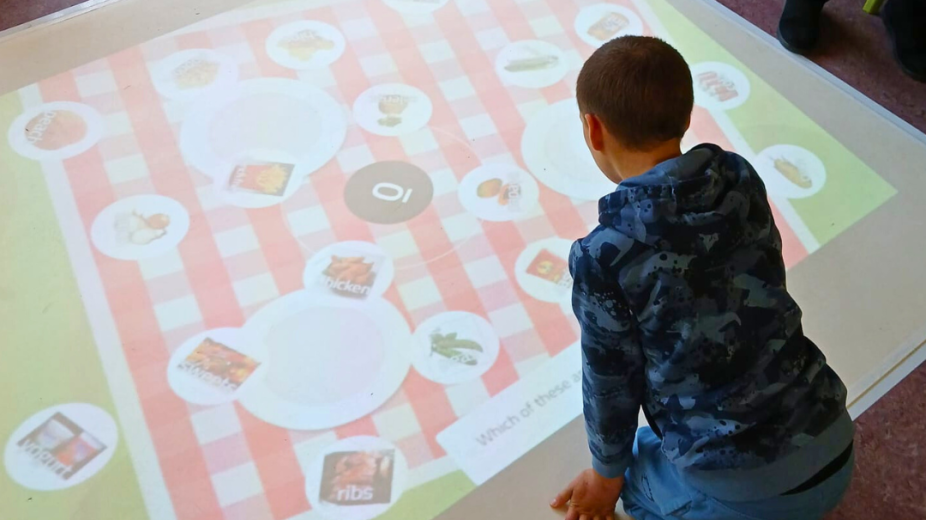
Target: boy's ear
(594, 132)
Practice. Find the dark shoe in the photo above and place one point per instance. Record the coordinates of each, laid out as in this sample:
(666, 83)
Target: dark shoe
(905, 21)
(799, 28)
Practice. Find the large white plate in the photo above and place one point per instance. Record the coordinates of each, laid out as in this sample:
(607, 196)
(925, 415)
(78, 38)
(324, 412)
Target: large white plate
(284, 115)
(554, 150)
(331, 362)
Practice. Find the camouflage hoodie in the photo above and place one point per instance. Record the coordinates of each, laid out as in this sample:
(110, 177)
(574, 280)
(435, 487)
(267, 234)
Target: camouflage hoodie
(680, 293)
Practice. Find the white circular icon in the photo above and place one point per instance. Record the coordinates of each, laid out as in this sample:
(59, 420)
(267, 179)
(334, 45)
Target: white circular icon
(143, 226)
(55, 131)
(531, 64)
(719, 86)
(600, 23)
(260, 178)
(357, 478)
(454, 347)
(331, 361)
(791, 171)
(498, 192)
(191, 73)
(216, 366)
(61, 446)
(393, 109)
(354, 271)
(554, 150)
(542, 269)
(305, 44)
(283, 115)
(416, 6)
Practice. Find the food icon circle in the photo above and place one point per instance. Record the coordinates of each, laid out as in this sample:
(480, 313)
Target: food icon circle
(306, 44)
(392, 109)
(791, 171)
(454, 347)
(499, 192)
(143, 226)
(55, 131)
(61, 446)
(357, 478)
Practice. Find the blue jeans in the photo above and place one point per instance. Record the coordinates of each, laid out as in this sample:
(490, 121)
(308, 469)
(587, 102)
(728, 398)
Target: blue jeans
(654, 491)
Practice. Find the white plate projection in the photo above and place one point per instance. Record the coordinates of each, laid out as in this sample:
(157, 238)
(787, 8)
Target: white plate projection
(282, 115)
(555, 152)
(331, 362)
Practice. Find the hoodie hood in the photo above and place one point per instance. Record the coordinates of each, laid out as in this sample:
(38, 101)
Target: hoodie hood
(704, 202)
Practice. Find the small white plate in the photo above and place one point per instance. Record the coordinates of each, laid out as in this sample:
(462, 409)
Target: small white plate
(719, 86)
(481, 189)
(249, 198)
(61, 446)
(305, 45)
(469, 364)
(381, 264)
(83, 129)
(393, 109)
(323, 470)
(554, 150)
(143, 226)
(331, 362)
(537, 286)
(600, 23)
(791, 171)
(531, 64)
(202, 387)
(165, 74)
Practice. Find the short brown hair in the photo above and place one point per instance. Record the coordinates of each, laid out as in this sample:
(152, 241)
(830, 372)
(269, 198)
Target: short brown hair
(640, 87)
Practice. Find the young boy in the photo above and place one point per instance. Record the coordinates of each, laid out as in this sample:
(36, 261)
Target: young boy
(680, 293)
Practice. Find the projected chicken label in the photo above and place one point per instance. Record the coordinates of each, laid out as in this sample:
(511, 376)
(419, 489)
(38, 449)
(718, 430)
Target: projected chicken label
(351, 276)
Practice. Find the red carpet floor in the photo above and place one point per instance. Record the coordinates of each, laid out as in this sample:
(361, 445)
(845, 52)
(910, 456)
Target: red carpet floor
(855, 48)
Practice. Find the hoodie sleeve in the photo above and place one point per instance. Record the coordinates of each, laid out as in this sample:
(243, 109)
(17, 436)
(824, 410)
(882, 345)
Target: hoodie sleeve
(612, 363)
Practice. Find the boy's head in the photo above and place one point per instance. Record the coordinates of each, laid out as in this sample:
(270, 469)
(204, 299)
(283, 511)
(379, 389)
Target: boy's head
(635, 95)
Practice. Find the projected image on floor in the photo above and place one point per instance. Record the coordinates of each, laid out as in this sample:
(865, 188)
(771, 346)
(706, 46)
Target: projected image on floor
(333, 242)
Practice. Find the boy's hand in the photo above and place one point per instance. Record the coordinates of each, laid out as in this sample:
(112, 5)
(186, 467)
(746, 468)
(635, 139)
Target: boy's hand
(590, 497)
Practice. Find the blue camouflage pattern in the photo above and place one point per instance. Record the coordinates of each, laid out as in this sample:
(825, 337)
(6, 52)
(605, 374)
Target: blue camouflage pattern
(681, 297)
